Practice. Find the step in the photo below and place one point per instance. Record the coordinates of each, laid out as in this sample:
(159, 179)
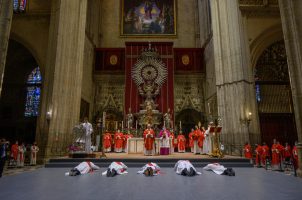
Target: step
(139, 163)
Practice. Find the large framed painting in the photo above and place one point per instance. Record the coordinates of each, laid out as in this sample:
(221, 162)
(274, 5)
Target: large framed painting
(148, 18)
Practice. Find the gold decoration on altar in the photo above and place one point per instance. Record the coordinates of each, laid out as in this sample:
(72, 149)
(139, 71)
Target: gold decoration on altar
(113, 60)
(215, 129)
(185, 59)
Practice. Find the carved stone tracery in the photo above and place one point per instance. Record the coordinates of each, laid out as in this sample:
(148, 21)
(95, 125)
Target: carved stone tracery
(109, 93)
(188, 93)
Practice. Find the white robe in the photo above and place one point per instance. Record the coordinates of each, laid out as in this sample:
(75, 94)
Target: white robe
(88, 131)
(21, 156)
(184, 164)
(165, 142)
(215, 167)
(119, 167)
(207, 143)
(33, 154)
(85, 168)
(152, 165)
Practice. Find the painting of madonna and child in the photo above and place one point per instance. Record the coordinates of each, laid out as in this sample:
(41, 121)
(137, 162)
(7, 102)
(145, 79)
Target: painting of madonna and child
(148, 17)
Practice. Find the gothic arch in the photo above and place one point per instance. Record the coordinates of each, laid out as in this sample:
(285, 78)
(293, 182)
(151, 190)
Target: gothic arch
(30, 48)
(266, 38)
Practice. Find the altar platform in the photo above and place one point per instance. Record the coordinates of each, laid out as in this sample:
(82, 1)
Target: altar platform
(138, 160)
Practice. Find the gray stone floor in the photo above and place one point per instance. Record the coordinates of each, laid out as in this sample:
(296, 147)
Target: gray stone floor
(249, 183)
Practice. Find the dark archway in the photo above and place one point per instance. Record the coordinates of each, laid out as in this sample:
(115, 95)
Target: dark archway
(15, 122)
(273, 96)
(189, 118)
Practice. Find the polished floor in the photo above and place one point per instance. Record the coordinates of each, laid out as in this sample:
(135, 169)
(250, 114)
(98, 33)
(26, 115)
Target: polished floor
(248, 184)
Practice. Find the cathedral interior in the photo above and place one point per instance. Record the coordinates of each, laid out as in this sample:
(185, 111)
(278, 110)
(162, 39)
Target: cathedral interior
(236, 62)
(231, 66)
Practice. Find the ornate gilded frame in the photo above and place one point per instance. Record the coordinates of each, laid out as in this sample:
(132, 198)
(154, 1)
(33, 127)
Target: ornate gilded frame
(134, 21)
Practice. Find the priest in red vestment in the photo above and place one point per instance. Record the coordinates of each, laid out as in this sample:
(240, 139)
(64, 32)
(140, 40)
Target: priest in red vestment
(191, 141)
(265, 153)
(247, 151)
(287, 152)
(198, 138)
(258, 152)
(295, 157)
(14, 152)
(107, 142)
(149, 139)
(118, 141)
(125, 144)
(277, 151)
(181, 142)
(172, 136)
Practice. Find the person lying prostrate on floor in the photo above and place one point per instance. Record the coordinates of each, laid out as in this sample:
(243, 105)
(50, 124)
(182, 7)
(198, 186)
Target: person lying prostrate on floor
(115, 168)
(83, 168)
(150, 169)
(185, 168)
(219, 169)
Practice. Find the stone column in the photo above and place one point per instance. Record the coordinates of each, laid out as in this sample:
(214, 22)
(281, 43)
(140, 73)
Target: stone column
(60, 107)
(6, 15)
(234, 77)
(291, 18)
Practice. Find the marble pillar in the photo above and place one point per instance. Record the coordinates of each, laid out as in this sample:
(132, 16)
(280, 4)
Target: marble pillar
(291, 17)
(234, 77)
(61, 97)
(6, 15)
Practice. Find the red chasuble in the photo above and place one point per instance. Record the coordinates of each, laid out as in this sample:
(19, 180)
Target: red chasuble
(287, 152)
(181, 141)
(191, 141)
(200, 137)
(15, 150)
(259, 152)
(295, 157)
(248, 151)
(265, 153)
(149, 138)
(107, 140)
(118, 140)
(276, 154)
(172, 136)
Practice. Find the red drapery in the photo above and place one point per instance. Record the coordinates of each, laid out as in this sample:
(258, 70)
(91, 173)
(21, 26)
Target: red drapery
(165, 99)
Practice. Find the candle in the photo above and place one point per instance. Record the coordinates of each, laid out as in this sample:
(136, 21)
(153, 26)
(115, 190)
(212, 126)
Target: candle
(115, 125)
(180, 124)
(164, 124)
(122, 125)
(136, 124)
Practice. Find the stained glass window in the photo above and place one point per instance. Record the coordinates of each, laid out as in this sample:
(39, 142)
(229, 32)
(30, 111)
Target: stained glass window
(34, 81)
(258, 96)
(19, 5)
